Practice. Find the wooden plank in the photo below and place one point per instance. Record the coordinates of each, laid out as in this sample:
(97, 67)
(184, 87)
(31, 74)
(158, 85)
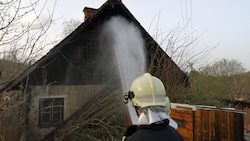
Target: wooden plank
(204, 126)
(186, 126)
(210, 114)
(238, 124)
(187, 135)
(189, 126)
(198, 125)
(217, 125)
(221, 129)
(230, 127)
(205, 121)
(186, 115)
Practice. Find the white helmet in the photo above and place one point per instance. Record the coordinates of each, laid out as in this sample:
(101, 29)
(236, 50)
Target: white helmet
(146, 91)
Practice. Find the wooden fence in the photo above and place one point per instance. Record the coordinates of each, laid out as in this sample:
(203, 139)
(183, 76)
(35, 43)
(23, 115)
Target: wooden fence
(209, 124)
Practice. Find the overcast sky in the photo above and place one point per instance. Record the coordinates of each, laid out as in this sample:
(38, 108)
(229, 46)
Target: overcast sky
(226, 23)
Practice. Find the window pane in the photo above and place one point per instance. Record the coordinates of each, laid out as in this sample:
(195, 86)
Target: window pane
(46, 110)
(57, 118)
(57, 108)
(46, 118)
(46, 103)
(58, 111)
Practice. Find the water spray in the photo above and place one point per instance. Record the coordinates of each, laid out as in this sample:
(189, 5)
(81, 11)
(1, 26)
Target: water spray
(128, 47)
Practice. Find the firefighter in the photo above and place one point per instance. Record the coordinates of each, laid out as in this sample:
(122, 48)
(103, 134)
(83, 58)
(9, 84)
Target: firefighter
(148, 96)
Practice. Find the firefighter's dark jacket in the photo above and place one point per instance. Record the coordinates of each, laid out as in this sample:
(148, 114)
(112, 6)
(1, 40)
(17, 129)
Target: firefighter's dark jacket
(153, 132)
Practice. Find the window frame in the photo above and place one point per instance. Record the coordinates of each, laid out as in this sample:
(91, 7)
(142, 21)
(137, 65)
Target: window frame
(52, 110)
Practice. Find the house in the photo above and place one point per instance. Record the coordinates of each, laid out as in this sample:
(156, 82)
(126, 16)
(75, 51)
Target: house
(59, 87)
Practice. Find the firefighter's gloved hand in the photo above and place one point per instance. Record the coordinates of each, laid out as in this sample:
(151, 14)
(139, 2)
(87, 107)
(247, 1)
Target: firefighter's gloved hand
(130, 131)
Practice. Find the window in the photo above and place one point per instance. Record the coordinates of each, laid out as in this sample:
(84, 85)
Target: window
(181, 123)
(50, 111)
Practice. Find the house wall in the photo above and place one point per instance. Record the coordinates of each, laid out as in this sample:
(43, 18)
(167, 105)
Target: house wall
(74, 97)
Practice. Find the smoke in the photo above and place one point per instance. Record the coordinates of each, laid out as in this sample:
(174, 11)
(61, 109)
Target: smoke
(128, 47)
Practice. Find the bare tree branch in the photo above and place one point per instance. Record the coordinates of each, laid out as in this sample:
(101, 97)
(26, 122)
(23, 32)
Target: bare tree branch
(23, 38)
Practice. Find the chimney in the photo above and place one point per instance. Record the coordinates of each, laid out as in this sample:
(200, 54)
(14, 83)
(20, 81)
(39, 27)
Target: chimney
(88, 12)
